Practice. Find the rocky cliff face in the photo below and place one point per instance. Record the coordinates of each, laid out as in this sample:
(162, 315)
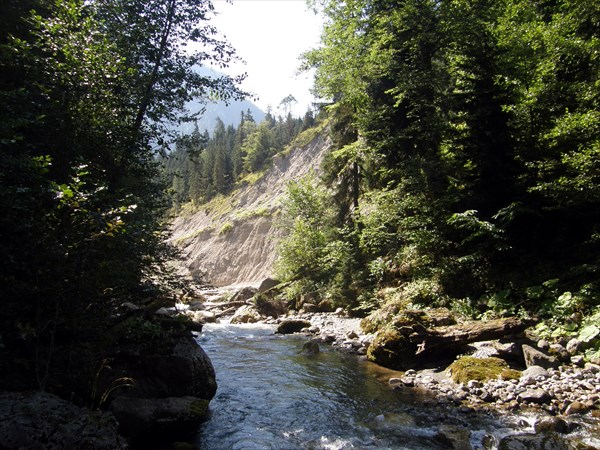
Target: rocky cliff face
(232, 240)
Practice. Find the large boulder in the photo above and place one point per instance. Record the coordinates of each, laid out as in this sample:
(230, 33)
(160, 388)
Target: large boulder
(185, 370)
(267, 283)
(480, 369)
(159, 394)
(151, 418)
(44, 421)
(243, 294)
(246, 314)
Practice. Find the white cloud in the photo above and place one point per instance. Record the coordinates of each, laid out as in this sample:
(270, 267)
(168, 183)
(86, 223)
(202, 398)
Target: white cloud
(270, 35)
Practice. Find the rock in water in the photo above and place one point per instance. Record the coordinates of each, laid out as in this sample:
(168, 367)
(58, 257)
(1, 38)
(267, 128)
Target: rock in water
(44, 421)
(311, 348)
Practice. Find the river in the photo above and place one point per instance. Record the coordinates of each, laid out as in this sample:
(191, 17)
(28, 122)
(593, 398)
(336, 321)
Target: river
(273, 396)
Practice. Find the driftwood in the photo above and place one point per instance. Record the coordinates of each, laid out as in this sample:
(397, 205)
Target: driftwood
(414, 345)
(457, 336)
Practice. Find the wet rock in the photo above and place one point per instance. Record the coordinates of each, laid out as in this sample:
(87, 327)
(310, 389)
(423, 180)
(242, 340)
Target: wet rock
(246, 314)
(289, 326)
(311, 348)
(534, 357)
(149, 418)
(543, 441)
(551, 423)
(44, 421)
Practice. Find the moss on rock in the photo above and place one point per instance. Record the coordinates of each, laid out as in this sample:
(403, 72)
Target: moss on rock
(199, 408)
(480, 369)
(392, 349)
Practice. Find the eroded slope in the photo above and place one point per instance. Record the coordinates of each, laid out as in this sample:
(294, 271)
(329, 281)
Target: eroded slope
(232, 240)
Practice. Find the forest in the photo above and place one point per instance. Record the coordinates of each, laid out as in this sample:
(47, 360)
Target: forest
(202, 165)
(466, 162)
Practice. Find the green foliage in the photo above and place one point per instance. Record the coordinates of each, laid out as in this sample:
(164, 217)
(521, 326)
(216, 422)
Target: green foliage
(226, 228)
(465, 161)
(87, 91)
(202, 167)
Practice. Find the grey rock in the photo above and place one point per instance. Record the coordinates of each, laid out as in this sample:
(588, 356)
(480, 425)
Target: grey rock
(538, 396)
(543, 344)
(533, 372)
(560, 352)
(577, 360)
(146, 418)
(243, 294)
(196, 306)
(44, 421)
(574, 346)
(534, 357)
(246, 314)
(267, 283)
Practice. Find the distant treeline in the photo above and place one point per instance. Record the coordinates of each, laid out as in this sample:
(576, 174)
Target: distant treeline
(202, 166)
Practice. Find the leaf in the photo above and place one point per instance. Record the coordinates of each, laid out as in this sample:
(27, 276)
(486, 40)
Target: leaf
(589, 333)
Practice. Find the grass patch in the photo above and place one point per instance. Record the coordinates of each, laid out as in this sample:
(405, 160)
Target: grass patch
(251, 214)
(253, 177)
(192, 235)
(226, 228)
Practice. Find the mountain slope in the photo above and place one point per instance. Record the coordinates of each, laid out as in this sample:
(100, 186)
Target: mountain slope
(232, 240)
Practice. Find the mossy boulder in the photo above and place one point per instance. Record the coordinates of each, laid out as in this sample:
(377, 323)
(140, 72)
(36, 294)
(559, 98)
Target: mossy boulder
(391, 348)
(480, 369)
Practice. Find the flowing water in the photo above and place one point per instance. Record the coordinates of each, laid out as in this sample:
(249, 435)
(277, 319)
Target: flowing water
(272, 396)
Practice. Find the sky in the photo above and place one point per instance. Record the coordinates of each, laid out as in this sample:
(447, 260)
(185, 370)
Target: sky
(270, 35)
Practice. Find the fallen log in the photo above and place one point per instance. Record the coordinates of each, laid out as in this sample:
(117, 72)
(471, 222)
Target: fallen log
(414, 345)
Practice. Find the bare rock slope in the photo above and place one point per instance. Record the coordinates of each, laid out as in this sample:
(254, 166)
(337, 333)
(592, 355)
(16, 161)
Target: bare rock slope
(232, 240)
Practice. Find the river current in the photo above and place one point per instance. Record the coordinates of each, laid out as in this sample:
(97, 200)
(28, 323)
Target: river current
(273, 396)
